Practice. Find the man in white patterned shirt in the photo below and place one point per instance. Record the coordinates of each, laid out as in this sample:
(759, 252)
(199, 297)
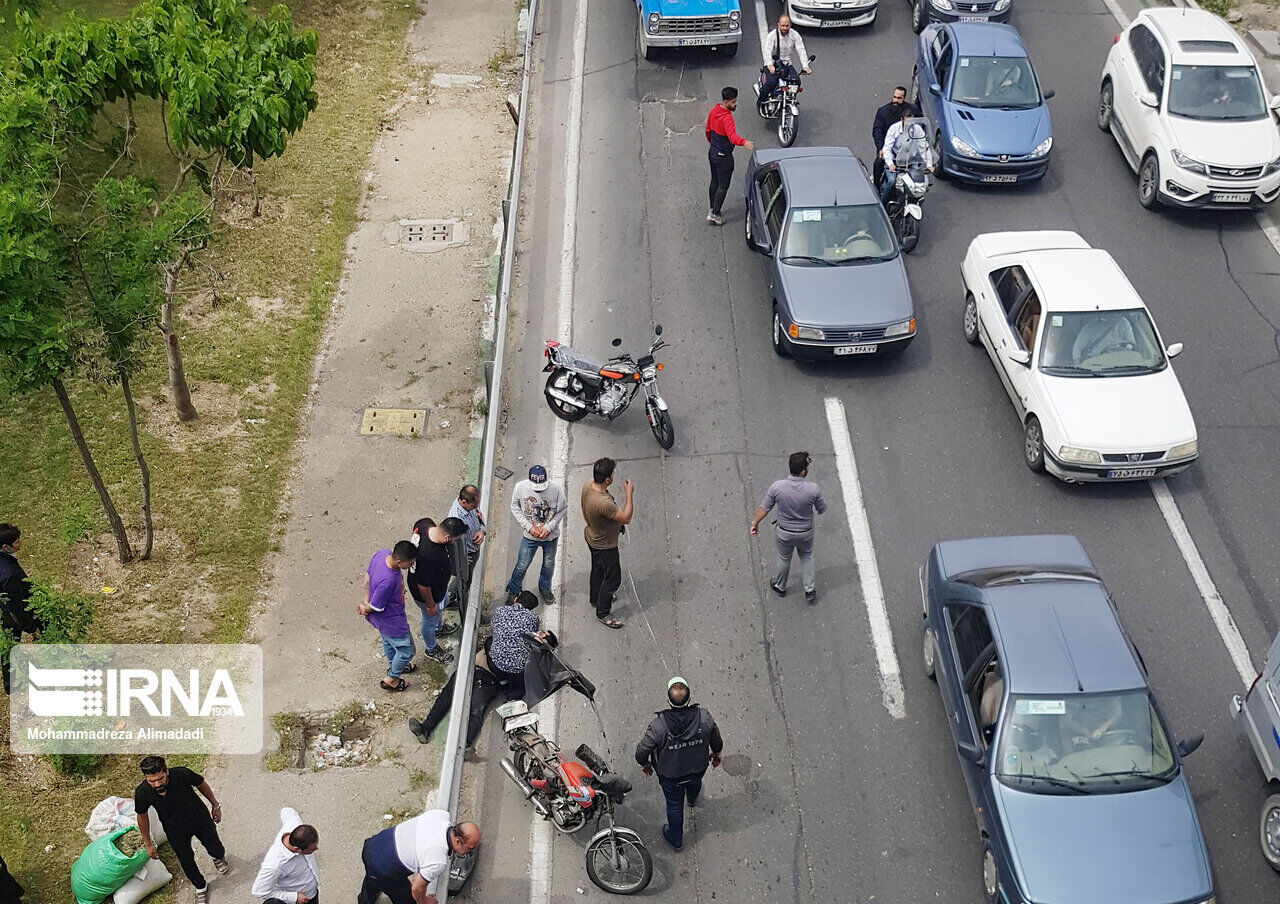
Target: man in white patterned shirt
(289, 874)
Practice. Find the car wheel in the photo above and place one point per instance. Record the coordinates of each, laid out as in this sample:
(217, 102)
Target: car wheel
(919, 17)
(939, 158)
(990, 876)
(930, 655)
(642, 40)
(970, 319)
(1271, 831)
(915, 88)
(1149, 181)
(1106, 105)
(1033, 444)
(750, 244)
(779, 341)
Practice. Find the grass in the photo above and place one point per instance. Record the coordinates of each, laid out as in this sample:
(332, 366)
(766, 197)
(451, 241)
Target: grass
(217, 483)
(501, 57)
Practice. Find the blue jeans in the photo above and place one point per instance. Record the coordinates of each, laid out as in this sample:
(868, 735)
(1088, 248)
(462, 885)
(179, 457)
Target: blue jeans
(525, 558)
(675, 790)
(890, 180)
(430, 625)
(398, 650)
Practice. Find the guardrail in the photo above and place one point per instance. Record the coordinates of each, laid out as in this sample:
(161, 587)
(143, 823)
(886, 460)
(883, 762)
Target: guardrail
(451, 765)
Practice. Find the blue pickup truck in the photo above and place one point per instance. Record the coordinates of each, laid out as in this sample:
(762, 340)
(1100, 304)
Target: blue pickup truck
(689, 23)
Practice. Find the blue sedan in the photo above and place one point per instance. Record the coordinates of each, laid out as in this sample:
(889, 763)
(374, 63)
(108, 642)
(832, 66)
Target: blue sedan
(1076, 783)
(987, 113)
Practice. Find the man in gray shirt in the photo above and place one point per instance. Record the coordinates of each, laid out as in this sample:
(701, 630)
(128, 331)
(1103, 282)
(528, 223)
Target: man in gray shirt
(796, 499)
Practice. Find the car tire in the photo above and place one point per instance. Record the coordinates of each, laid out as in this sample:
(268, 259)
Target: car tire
(1033, 444)
(929, 654)
(642, 42)
(747, 231)
(1270, 831)
(779, 341)
(915, 88)
(970, 319)
(990, 876)
(1149, 181)
(939, 156)
(1106, 105)
(919, 16)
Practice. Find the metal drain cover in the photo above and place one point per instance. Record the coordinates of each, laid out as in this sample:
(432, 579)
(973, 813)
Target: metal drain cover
(394, 421)
(431, 235)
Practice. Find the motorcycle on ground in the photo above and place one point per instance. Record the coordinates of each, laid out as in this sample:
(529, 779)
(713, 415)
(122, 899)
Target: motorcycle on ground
(572, 792)
(783, 104)
(580, 385)
(905, 205)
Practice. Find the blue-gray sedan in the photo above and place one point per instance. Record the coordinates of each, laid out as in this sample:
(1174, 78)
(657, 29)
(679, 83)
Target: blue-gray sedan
(837, 284)
(1076, 783)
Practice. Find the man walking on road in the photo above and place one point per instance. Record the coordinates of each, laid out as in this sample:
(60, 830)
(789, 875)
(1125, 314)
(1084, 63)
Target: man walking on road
(405, 862)
(466, 508)
(289, 874)
(886, 116)
(538, 506)
(679, 743)
(429, 580)
(16, 617)
(604, 523)
(383, 607)
(173, 793)
(722, 136)
(796, 500)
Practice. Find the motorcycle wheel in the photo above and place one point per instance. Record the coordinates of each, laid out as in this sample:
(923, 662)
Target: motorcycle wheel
(788, 126)
(664, 431)
(561, 409)
(909, 232)
(633, 872)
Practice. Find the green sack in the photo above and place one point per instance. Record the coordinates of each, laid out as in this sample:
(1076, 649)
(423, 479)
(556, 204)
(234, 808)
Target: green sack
(101, 869)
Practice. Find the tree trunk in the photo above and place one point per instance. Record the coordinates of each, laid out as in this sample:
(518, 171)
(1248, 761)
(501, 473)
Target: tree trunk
(177, 376)
(143, 470)
(130, 128)
(73, 424)
(253, 182)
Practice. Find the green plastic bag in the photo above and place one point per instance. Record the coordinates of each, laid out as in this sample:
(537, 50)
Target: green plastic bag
(101, 869)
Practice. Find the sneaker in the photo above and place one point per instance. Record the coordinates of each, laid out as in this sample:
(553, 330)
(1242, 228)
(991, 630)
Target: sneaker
(715, 219)
(811, 596)
(777, 588)
(440, 655)
(446, 629)
(222, 866)
(202, 895)
(418, 731)
(548, 597)
(674, 846)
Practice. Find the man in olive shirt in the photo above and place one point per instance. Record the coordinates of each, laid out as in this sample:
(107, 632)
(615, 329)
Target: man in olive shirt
(604, 522)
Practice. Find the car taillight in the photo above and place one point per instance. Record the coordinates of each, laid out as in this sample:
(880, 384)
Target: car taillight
(1252, 686)
(1116, 40)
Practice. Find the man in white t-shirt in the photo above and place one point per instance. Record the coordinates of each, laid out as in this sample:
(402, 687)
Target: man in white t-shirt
(289, 874)
(405, 862)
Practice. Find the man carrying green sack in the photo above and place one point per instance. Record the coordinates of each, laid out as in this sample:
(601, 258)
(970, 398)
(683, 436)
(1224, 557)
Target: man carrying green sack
(103, 868)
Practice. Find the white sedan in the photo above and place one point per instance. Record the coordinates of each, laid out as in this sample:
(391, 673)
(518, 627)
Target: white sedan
(1080, 357)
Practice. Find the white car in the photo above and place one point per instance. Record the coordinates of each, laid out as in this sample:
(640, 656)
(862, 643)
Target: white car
(831, 13)
(1190, 111)
(1080, 357)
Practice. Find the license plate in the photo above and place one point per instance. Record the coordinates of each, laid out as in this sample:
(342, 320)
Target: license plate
(855, 349)
(695, 42)
(833, 23)
(973, 18)
(1121, 473)
(1231, 197)
(1000, 178)
(520, 721)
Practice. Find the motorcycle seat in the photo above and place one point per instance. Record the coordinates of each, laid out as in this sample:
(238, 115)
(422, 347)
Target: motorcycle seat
(573, 358)
(613, 785)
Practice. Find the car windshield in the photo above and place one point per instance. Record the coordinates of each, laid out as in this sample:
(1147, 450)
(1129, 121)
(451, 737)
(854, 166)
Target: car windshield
(1100, 344)
(827, 236)
(1084, 743)
(1216, 92)
(996, 82)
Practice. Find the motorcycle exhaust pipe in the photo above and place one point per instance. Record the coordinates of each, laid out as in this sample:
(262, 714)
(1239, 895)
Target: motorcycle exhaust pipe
(525, 788)
(561, 396)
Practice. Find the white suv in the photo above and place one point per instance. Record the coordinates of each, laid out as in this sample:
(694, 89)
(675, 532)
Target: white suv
(1191, 113)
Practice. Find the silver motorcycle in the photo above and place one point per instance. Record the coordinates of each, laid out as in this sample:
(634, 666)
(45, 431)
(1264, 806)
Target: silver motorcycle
(579, 385)
(905, 205)
(783, 104)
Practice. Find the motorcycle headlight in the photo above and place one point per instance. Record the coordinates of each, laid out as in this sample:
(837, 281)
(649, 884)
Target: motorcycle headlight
(905, 328)
(653, 18)
(1001, 5)
(1184, 450)
(1189, 164)
(963, 147)
(806, 332)
(943, 4)
(1080, 456)
(1042, 148)
(1273, 166)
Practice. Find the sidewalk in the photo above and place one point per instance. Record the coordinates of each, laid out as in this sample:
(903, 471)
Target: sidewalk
(405, 333)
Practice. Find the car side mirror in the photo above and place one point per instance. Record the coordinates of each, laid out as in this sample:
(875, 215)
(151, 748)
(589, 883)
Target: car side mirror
(617, 342)
(657, 330)
(1020, 356)
(1149, 99)
(972, 752)
(1174, 350)
(1188, 746)
(935, 88)
(1050, 93)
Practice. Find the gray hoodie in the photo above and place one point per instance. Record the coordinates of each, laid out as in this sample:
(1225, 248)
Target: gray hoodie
(545, 506)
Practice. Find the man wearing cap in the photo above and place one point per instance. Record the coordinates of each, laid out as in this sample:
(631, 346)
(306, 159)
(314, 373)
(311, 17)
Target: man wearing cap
(538, 505)
(679, 743)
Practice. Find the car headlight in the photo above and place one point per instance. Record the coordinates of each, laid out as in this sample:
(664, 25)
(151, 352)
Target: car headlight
(1080, 456)
(653, 28)
(1273, 166)
(1001, 6)
(734, 15)
(805, 332)
(905, 328)
(1042, 148)
(1184, 450)
(733, 25)
(943, 4)
(1187, 163)
(963, 147)
(653, 18)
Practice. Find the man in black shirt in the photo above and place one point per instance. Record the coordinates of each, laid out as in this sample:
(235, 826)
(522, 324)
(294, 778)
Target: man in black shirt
(15, 596)
(173, 793)
(886, 116)
(429, 579)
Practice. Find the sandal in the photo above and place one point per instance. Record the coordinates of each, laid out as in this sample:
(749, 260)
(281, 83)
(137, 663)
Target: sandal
(610, 622)
(409, 669)
(400, 685)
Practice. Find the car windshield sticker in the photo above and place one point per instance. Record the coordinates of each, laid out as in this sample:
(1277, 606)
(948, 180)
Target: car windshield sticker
(813, 215)
(1057, 320)
(1177, 75)
(964, 62)
(1040, 707)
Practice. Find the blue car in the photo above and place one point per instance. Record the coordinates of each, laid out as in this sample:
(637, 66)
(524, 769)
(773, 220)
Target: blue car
(1074, 778)
(689, 23)
(975, 84)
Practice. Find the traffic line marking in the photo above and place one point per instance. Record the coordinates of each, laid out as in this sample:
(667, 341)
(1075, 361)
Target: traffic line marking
(891, 691)
(762, 19)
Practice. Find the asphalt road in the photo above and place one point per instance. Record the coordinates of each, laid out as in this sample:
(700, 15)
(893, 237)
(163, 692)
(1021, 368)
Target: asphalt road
(825, 796)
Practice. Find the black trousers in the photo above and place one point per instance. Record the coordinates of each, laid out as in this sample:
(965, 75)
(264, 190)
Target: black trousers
(606, 569)
(484, 690)
(180, 840)
(721, 178)
(877, 172)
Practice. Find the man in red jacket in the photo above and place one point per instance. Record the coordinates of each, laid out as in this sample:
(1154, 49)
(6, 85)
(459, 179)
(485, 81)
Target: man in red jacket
(722, 136)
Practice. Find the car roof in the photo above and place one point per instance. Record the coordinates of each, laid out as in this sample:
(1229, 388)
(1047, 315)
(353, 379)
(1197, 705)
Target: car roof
(987, 39)
(826, 180)
(1177, 25)
(1080, 279)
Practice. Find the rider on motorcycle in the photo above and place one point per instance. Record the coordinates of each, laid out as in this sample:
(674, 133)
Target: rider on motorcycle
(783, 50)
(904, 144)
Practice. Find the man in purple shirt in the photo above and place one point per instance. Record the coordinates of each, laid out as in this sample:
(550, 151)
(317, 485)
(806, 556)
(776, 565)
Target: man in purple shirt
(383, 607)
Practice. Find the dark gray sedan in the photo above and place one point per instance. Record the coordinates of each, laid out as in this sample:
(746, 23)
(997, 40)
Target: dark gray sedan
(837, 283)
(1074, 778)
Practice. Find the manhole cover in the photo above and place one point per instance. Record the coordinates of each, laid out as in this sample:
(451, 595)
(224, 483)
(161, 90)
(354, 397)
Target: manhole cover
(431, 235)
(394, 421)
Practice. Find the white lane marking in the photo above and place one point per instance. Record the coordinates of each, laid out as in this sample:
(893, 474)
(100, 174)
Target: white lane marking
(1269, 229)
(762, 19)
(1218, 611)
(1114, 8)
(868, 570)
